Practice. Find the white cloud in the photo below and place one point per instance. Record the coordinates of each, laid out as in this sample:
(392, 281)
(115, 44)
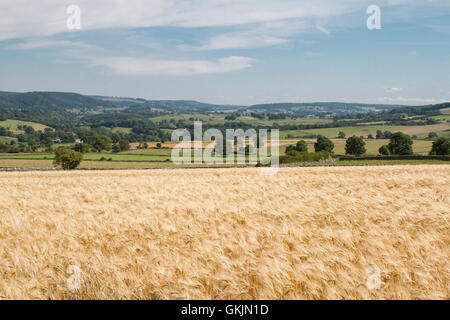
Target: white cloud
(406, 100)
(255, 36)
(322, 29)
(393, 90)
(147, 66)
(43, 43)
(24, 18)
(240, 41)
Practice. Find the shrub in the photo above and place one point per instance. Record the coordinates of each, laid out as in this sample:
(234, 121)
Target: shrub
(384, 150)
(441, 147)
(301, 146)
(295, 156)
(68, 159)
(355, 146)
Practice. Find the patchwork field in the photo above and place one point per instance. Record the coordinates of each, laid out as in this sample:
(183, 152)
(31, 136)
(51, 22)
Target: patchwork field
(365, 130)
(307, 233)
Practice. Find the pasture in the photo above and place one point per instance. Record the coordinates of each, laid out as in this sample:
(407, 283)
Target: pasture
(14, 124)
(365, 130)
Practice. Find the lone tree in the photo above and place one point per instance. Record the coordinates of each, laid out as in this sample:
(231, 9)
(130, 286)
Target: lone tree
(400, 144)
(323, 144)
(342, 135)
(441, 147)
(355, 146)
(301, 146)
(384, 150)
(68, 159)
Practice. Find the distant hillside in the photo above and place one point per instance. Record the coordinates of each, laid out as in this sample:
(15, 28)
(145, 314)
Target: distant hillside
(70, 101)
(66, 109)
(50, 101)
(318, 108)
(62, 108)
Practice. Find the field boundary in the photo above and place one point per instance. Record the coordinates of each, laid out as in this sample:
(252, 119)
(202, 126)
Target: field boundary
(414, 157)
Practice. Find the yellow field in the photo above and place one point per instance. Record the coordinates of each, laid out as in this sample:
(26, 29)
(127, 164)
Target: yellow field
(308, 233)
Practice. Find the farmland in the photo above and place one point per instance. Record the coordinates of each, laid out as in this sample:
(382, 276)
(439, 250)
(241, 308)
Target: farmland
(14, 124)
(365, 130)
(306, 233)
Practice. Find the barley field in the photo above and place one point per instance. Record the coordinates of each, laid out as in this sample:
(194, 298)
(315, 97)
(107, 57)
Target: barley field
(306, 233)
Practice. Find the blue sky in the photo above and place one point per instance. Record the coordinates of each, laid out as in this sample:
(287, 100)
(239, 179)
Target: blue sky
(230, 52)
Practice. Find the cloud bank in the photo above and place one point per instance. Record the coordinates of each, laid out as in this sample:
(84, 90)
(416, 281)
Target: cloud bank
(145, 66)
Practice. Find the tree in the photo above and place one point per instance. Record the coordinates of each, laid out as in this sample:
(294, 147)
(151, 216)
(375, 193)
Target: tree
(441, 147)
(355, 146)
(387, 135)
(100, 142)
(159, 145)
(301, 146)
(231, 117)
(68, 159)
(81, 147)
(342, 135)
(400, 144)
(290, 148)
(323, 144)
(384, 150)
(370, 136)
(432, 135)
(124, 145)
(115, 148)
(379, 134)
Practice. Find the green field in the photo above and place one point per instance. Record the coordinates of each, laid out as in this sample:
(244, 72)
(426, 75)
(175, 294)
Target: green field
(7, 140)
(219, 119)
(365, 130)
(88, 156)
(14, 124)
(121, 130)
(443, 117)
(151, 151)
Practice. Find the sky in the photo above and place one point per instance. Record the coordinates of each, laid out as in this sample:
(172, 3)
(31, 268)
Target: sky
(229, 52)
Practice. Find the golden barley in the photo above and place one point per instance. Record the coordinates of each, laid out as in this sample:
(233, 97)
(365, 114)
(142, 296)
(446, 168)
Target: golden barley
(308, 233)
